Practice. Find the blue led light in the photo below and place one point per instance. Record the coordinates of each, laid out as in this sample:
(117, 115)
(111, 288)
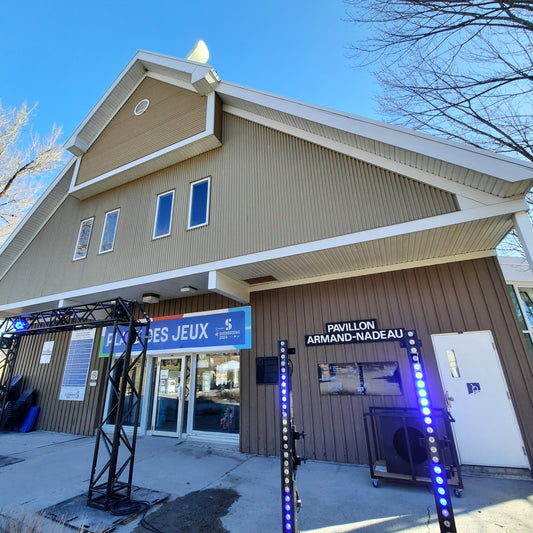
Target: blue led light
(428, 420)
(20, 324)
(423, 401)
(439, 480)
(443, 502)
(426, 411)
(441, 491)
(420, 384)
(419, 375)
(437, 469)
(445, 513)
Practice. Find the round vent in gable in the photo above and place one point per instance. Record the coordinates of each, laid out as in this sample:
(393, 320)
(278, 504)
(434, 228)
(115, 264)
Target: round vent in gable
(141, 107)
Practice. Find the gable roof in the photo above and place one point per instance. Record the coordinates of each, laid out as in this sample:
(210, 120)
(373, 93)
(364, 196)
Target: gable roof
(393, 147)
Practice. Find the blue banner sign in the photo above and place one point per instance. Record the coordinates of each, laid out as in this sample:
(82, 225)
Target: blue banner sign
(225, 329)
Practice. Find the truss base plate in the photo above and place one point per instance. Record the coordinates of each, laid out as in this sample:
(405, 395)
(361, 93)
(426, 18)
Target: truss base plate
(76, 513)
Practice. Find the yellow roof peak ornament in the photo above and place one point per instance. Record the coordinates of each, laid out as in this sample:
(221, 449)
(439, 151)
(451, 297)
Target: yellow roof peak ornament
(199, 53)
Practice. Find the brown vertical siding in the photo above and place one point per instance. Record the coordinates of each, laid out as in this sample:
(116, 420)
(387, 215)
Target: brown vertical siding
(455, 297)
(464, 296)
(60, 415)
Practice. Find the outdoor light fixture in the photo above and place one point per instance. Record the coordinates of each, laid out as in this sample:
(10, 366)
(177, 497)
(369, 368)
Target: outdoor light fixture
(437, 467)
(20, 324)
(151, 298)
(188, 288)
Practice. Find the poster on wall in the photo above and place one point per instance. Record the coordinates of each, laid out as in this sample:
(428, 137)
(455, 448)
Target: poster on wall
(381, 378)
(77, 366)
(338, 378)
(365, 379)
(46, 353)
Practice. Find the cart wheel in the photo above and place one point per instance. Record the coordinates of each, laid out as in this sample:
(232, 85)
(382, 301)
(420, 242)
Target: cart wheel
(375, 482)
(458, 492)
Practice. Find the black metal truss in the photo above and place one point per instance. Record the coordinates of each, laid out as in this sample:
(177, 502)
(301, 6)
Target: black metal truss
(131, 325)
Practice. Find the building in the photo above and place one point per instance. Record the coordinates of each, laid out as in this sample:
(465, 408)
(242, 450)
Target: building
(239, 218)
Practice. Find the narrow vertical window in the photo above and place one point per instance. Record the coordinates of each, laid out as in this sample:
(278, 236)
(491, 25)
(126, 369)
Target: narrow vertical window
(109, 231)
(163, 215)
(199, 203)
(84, 236)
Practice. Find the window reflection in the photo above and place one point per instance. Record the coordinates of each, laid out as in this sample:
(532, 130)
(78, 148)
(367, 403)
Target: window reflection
(527, 298)
(217, 397)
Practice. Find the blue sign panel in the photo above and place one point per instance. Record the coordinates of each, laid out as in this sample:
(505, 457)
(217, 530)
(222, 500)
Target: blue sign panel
(226, 329)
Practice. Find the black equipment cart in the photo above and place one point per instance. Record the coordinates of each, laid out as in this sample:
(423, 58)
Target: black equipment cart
(397, 446)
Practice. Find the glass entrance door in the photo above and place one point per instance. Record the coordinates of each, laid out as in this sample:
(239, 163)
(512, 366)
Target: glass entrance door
(167, 414)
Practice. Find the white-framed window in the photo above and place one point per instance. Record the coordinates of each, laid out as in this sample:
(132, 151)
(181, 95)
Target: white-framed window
(107, 242)
(522, 298)
(199, 203)
(84, 236)
(163, 214)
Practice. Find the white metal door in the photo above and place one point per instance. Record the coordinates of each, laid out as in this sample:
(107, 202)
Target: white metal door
(485, 428)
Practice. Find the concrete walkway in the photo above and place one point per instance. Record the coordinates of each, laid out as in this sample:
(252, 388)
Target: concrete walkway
(336, 498)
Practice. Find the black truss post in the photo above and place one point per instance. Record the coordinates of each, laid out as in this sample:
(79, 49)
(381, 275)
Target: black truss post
(106, 494)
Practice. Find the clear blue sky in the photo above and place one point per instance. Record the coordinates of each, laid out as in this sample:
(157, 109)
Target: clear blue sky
(64, 55)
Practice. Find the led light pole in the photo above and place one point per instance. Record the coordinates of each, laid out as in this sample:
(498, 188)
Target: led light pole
(437, 467)
(288, 458)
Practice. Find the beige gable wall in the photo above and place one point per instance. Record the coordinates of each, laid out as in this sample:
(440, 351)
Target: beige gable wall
(174, 114)
(268, 190)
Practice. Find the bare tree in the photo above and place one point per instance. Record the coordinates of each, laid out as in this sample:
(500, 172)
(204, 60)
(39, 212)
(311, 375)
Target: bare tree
(462, 69)
(25, 164)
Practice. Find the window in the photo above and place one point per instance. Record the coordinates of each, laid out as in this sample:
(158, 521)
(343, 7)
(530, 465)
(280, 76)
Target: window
(199, 203)
(163, 215)
(109, 231)
(84, 236)
(522, 298)
(217, 397)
